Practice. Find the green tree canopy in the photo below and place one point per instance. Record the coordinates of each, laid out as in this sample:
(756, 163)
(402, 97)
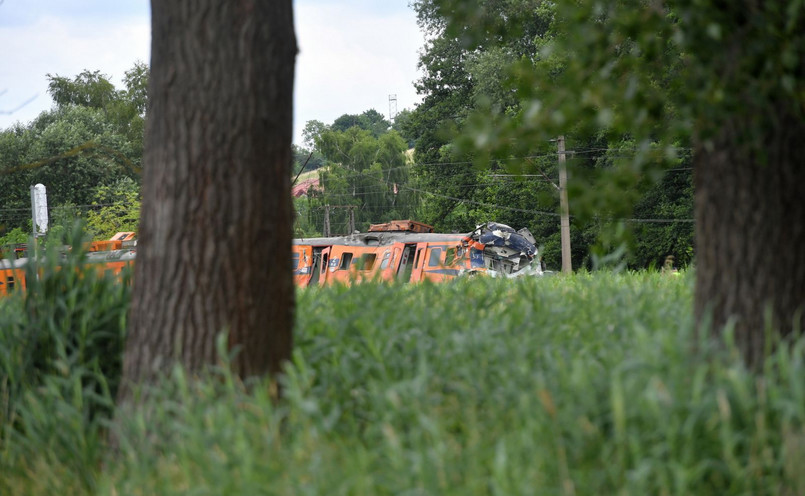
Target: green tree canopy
(92, 138)
(310, 159)
(365, 172)
(88, 89)
(312, 130)
(489, 66)
(370, 120)
(115, 208)
(725, 80)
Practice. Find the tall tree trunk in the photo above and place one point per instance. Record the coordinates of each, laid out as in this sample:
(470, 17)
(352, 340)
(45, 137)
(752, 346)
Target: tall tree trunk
(216, 226)
(750, 228)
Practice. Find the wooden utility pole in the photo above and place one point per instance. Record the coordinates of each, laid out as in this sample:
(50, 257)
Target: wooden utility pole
(327, 231)
(567, 266)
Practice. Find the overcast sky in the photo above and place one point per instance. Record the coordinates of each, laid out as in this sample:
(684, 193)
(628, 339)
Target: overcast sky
(353, 53)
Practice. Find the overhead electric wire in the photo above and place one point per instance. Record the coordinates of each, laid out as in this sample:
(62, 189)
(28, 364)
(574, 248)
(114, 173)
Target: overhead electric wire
(483, 204)
(387, 185)
(68, 206)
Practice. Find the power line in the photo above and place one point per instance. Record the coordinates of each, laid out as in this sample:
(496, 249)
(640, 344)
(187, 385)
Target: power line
(656, 221)
(385, 184)
(483, 204)
(68, 206)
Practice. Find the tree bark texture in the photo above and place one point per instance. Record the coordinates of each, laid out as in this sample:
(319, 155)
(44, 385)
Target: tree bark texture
(216, 225)
(750, 228)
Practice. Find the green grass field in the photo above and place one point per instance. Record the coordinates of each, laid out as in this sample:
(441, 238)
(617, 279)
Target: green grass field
(591, 384)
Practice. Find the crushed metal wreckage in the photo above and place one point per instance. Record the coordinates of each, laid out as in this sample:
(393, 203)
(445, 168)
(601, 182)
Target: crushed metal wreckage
(506, 252)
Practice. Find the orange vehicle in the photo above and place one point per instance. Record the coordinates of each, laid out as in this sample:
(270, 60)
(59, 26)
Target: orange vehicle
(12, 275)
(409, 251)
(400, 250)
(111, 256)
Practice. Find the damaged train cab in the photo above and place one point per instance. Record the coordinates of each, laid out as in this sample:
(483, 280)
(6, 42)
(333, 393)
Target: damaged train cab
(409, 251)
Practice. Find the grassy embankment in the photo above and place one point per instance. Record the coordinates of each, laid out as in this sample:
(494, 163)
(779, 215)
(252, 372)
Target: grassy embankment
(583, 385)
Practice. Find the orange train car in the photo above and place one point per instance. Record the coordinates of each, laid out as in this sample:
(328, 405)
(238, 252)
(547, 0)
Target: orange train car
(408, 251)
(401, 250)
(109, 256)
(12, 275)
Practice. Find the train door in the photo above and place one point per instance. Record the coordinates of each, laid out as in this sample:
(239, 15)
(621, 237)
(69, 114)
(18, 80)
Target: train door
(406, 266)
(315, 267)
(419, 262)
(325, 266)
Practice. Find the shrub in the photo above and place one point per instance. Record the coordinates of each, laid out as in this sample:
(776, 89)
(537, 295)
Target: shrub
(61, 345)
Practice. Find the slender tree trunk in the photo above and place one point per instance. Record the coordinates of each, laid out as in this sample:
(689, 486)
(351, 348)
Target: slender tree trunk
(216, 226)
(750, 228)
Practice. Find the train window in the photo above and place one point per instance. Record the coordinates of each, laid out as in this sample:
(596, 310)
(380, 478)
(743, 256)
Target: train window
(295, 261)
(9, 283)
(385, 262)
(435, 255)
(346, 259)
(450, 256)
(367, 261)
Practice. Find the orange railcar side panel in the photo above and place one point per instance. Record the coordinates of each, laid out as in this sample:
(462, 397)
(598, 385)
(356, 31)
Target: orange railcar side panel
(444, 261)
(11, 280)
(406, 262)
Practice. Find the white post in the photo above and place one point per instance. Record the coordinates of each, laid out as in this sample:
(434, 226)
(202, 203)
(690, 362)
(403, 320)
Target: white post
(39, 209)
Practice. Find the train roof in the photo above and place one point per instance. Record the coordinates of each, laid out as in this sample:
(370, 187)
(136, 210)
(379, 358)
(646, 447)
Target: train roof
(383, 238)
(13, 263)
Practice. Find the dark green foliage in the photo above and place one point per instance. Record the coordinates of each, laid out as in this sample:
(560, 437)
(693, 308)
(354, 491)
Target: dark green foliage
(465, 69)
(70, 151)
(592, 384)
(136, 92)
(12, 237)
(404, 125)
(307, 158)
(503, 78)
(92, 138)
(311, 131)
(367, 173)
(765, 67)
(371, 120)
(88, 89)
(307, 223)
(115, 208)
(62, 343)
(584, 385)
(670, 198)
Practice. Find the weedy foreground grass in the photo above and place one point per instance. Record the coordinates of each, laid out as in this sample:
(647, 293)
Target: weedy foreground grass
(592, 384)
